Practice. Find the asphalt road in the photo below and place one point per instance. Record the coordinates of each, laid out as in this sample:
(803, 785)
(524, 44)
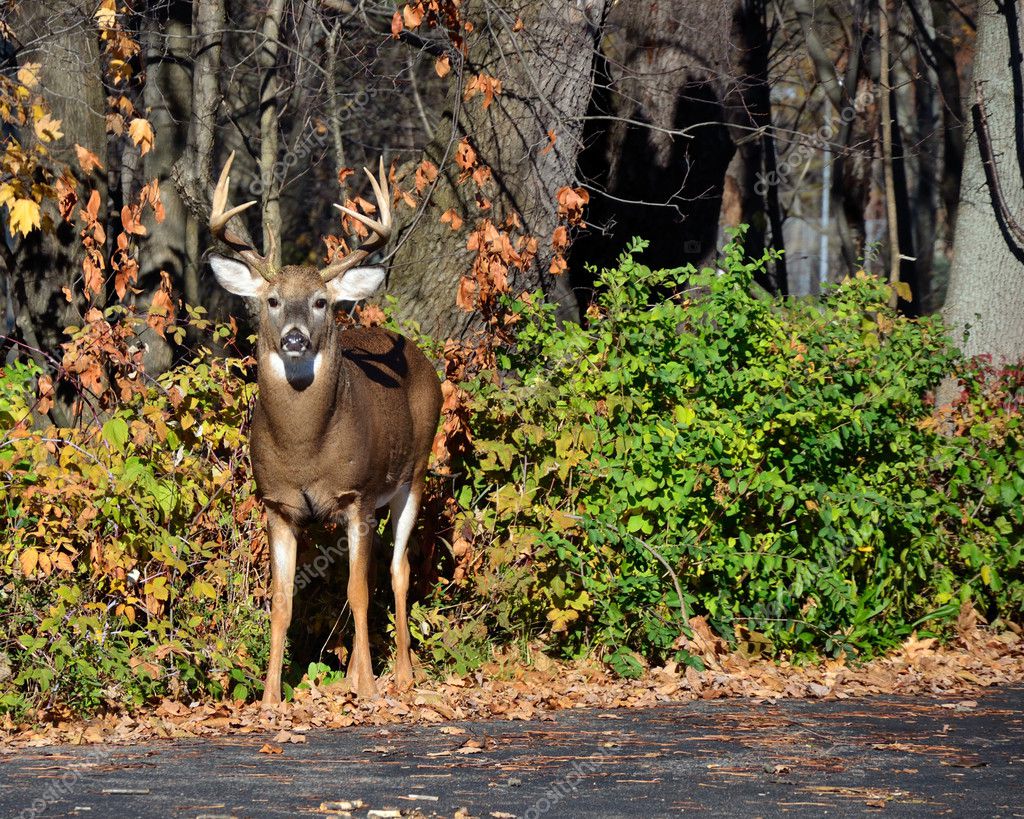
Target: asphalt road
(893, 756)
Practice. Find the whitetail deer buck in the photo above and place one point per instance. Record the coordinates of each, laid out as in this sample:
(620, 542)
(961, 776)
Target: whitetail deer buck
(343, 424)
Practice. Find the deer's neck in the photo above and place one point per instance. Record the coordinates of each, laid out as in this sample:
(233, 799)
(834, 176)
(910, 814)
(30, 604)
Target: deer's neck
(299, 397)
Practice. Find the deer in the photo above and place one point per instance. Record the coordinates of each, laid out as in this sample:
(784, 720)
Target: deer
(343, 424)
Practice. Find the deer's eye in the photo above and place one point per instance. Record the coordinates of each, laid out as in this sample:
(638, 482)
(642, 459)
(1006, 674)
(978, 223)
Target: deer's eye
(273, 302)
(320, 304)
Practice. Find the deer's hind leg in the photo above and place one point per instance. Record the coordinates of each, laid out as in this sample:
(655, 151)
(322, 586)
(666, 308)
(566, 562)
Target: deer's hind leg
(405, 506)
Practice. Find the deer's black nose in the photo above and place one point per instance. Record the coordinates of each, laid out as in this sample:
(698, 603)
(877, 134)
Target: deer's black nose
(294, 341)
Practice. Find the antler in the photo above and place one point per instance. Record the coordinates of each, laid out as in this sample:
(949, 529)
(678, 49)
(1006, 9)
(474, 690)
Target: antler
(380, 230)
(219, 218)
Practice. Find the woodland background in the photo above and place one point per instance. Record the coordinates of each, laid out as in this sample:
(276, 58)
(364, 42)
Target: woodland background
(782, 467)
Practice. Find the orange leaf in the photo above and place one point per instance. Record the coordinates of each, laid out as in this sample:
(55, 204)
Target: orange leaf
(92, 266)
(481, 175)
(465, 156)
(466, 297)
(426, 173)
(29, 559)
(87, 159)
(45, 402)
(452, 219)
(141, 133)
(560, 238)
(130, 219)
(552, 138)
(126, 275)
(67, 195)
(92, 208)
(396, 25)
(150, 194)
(412, 16)
(443, 65)
(483, 84)
(161, 308)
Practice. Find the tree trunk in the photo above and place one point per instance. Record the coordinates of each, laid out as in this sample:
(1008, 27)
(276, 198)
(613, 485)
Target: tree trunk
(657, 143)
(545, 68)
(756, 162)
(193, 172)
(985, 302)
(953, 126)
(168, 99)
(63, 39)
(270, 140)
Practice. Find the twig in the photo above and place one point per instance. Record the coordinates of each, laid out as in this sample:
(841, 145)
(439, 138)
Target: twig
(988, 160)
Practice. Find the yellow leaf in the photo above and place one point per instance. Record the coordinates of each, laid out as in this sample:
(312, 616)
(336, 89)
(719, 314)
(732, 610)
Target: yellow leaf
(24, 216)
(119, 71)
(29, 560)
(203, 589)
(106, 14)
(28, 74)
(141, 133)
(47, 128)
(902, 290)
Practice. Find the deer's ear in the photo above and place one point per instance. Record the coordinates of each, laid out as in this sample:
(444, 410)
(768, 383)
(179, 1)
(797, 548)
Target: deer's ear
(356, 284)
(236, 277)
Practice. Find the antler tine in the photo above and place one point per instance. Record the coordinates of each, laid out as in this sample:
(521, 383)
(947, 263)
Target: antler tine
(380, 190)
(380, 229)
(219, 218)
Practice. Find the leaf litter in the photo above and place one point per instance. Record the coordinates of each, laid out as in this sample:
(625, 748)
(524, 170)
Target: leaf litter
(977, 658)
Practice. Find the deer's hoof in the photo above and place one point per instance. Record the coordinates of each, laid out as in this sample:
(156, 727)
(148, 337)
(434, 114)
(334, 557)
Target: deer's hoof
(364, 687)
(403, 678)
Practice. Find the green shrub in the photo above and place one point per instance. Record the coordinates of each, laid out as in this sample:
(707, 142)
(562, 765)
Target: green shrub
(127, 550)
(773, 462)
(978, 475)
(694, 448)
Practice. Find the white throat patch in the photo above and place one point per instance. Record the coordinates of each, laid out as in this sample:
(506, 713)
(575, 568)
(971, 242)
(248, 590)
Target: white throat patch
(302, 372)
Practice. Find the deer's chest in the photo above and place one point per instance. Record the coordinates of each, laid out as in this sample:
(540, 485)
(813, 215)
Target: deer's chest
(323, 477)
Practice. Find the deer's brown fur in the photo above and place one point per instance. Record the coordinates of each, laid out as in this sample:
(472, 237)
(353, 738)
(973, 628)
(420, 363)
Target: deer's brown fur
(344, 425)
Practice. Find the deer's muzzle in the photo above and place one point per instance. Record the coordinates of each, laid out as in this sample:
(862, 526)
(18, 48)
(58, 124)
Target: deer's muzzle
(295, 342)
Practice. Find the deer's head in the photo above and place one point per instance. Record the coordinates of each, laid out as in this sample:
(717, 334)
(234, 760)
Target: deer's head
(296, 302)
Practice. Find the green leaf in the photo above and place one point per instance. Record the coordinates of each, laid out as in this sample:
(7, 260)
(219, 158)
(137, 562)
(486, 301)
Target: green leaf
(115, 432)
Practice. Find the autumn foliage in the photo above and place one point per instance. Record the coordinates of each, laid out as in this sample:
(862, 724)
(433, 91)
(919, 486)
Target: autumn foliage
(690, 451)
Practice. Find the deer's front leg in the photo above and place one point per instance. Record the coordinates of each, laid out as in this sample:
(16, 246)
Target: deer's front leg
(282, 536)
(360, 542)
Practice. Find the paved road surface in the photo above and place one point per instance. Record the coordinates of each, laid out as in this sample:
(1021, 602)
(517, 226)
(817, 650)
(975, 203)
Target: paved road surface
(891, 756)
